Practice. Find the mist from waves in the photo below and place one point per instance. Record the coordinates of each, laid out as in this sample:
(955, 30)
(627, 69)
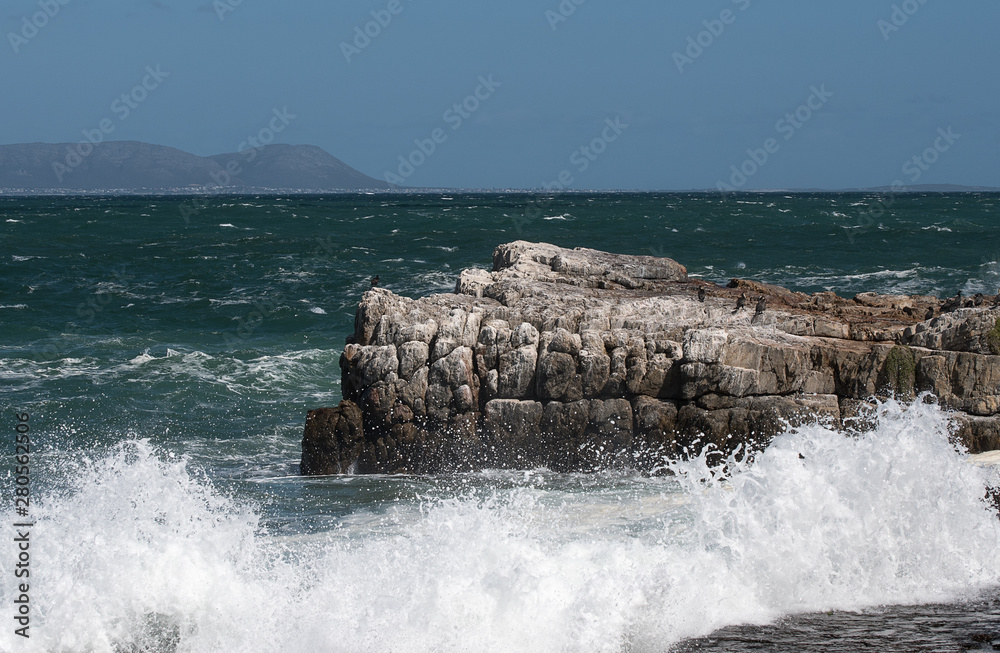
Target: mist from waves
(141, 551)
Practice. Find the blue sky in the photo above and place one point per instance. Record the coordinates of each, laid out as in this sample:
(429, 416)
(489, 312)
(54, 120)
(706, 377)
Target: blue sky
(697, 92)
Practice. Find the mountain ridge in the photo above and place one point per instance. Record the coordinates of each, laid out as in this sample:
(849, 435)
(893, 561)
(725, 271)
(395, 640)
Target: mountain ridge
(134, 165)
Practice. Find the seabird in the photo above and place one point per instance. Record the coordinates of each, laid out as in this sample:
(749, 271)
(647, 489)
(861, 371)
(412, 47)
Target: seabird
(930, 313)
(742, 301)
(978, 299)
(761, 307)
(996, 300)
(952, 303)
(374, 281)
(701, 295)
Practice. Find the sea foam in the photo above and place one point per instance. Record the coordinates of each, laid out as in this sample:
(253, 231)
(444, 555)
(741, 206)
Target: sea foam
(143, 553)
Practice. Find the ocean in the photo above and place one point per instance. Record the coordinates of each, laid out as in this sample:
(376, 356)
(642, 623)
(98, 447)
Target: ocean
(161, 352)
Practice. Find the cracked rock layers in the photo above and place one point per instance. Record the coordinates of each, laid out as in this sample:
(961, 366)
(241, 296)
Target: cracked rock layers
(577, 360)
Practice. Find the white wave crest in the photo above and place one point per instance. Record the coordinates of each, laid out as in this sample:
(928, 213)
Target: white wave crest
(143, 552)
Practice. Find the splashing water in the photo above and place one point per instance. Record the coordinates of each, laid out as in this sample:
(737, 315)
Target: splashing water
(145, 554)
(822, 521)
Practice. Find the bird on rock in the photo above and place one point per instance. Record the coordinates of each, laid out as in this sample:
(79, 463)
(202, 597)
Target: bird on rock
(978, 299)
(701, 295)
(374, 281)
(742, 301)
(952, 303)
(930, 313)
(761, 307)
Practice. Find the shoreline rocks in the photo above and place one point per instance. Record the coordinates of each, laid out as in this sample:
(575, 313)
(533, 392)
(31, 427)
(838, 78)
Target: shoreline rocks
(578, 360)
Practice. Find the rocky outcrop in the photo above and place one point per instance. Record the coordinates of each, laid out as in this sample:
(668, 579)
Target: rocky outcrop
(333, 440)
(579, 360)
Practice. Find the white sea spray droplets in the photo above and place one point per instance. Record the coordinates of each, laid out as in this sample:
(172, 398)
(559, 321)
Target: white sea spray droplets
(821, 520)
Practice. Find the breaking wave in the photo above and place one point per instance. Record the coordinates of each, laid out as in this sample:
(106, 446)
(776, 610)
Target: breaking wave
(140, 551)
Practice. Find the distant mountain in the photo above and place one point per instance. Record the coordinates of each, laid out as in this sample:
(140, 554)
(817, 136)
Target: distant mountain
(916, 188)
(130, 165)
(934, 188)
(296, 166)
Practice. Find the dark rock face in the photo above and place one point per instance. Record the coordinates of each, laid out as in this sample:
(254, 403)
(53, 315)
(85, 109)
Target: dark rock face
(333, 440)
(579, 360)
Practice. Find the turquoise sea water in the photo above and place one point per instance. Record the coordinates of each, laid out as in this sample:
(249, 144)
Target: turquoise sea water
(167, 352)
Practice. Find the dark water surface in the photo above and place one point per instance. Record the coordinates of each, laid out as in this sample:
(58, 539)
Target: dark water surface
(167, 353)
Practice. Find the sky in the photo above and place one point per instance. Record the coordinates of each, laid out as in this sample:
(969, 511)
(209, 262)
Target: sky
(581, 94)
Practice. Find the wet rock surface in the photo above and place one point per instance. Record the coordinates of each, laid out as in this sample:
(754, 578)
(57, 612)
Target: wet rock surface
(935, 628)
(580, 359)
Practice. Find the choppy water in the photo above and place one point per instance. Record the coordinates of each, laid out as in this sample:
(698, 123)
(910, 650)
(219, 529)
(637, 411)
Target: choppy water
(167, 367)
